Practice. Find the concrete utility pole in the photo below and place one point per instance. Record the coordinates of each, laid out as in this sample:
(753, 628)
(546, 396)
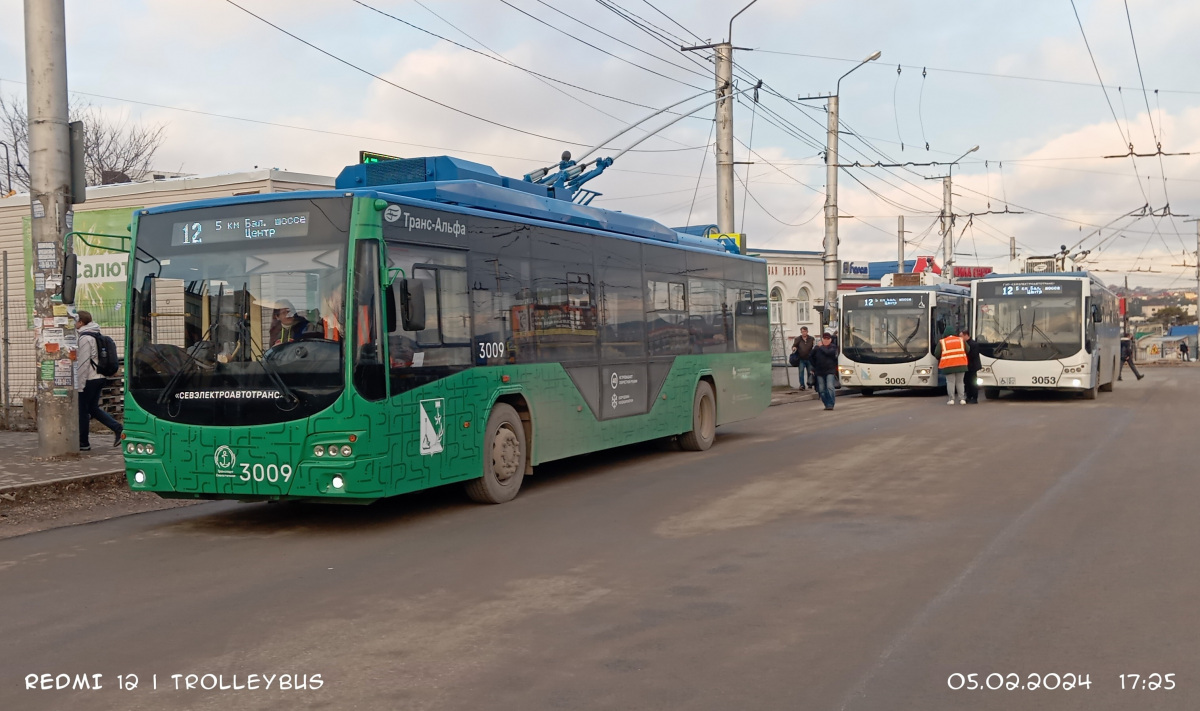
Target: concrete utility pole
(724, 148)
(947, 229)
(1012, 249)
(830, 258)
(833, 271)
(900, 244)
(50, 175)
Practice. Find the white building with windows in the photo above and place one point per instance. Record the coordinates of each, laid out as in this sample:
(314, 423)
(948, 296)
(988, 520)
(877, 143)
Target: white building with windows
(795, 287)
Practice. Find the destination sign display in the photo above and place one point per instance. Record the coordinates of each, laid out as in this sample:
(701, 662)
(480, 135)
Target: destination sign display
(1025, 289)
(240, 229)
(886, 301)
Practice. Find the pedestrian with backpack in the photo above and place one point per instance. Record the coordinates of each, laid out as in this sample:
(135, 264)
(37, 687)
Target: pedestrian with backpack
(95, 361)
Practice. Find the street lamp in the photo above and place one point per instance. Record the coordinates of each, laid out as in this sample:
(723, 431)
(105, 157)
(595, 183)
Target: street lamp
(872, 58)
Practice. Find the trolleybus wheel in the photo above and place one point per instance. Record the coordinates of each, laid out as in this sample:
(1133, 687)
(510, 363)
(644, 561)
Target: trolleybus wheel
(1090, 393)
(504, 449)
(991, 393)
(867, 392)
(704, 420)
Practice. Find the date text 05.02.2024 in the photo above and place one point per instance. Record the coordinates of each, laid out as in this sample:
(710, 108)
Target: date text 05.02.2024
(1013, 681)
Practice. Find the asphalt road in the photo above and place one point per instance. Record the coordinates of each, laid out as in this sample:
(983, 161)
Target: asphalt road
(853, 559)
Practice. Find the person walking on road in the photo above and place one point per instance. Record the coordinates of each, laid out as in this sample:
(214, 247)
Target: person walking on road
(973, 366)
(89, 382)
(1127, 357)
(803, 346)
(824, 364)
(951, 352)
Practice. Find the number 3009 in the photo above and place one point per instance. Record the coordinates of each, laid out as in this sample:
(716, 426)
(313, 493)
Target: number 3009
(491, 350)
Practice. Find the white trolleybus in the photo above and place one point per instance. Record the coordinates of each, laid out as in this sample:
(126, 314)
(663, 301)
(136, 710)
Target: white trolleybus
(1046, 330)
(888, 332)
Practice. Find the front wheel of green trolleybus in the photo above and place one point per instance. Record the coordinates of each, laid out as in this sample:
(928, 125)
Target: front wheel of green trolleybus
(505, 457)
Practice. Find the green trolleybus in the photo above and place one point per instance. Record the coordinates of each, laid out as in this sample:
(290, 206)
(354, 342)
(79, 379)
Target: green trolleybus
(426, 322)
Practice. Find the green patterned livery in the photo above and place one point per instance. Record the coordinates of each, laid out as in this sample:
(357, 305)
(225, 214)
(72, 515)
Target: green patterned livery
(425, 323)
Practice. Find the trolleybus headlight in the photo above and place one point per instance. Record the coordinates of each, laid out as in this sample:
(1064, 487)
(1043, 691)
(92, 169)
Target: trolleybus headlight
(149, 449)
(129, 447)
(1076, 382)
(333, 450)
(319, 451)
(346, 451)
(924, 372)
(338, 482)
(139, 476)
(141, 448)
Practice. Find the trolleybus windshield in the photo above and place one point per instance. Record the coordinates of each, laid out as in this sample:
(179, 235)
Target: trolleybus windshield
(885, 328)
(1030, 320)
(239, 316)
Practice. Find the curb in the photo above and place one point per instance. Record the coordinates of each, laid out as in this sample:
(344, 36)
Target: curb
(786, 397)
(23, 491)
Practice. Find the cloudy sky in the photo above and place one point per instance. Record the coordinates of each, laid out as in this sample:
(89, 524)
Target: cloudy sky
(1013, 77)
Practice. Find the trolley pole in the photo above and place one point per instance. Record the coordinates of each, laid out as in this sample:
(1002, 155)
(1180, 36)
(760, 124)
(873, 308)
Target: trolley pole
(50, 176)
(900, 244)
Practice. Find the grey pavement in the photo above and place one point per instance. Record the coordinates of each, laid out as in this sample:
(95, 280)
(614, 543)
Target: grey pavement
(20, 467)
(854, 560)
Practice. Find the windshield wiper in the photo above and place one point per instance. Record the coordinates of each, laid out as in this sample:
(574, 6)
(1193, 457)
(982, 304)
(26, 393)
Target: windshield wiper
(903, 346)
(1033, 329)
(246, 336)
(187, 367)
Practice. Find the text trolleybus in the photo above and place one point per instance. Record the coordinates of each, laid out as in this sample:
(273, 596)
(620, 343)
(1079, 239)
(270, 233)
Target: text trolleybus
(426, 322)
(1049, 330)
(888, 334)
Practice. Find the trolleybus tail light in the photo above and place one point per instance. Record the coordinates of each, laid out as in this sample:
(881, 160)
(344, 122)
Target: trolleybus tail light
(346, 451)
(338, 482)
(319, 451)
(139, 477)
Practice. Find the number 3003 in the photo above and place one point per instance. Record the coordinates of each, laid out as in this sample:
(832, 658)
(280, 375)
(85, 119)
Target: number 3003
(270, 472)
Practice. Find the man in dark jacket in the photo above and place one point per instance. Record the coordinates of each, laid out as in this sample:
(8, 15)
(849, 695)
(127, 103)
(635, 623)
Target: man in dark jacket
(973, 366)
(1127, 357)
(824, 363)
(803, 347)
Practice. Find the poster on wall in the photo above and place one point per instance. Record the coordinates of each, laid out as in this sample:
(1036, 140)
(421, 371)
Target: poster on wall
(102, 274)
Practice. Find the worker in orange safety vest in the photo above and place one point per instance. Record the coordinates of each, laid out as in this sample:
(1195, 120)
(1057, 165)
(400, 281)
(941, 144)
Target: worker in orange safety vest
(951, 352)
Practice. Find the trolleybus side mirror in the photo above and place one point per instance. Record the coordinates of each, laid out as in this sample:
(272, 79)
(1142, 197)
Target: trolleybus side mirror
(412, 304)
(70, 272)
(389, 307)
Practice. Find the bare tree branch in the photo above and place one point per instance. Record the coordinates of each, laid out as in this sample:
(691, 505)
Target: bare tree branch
(115, 151)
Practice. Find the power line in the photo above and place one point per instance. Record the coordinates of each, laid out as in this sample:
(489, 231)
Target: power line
(589, 44)
(494, 56)
(968, 72)
(405, 89)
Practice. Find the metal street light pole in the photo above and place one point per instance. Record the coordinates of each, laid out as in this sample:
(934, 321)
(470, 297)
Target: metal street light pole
(830, 258)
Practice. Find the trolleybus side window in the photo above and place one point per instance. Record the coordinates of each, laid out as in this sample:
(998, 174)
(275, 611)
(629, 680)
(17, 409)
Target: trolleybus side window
(619, 296)
(368, 355)
(499, 281)
(707, 310)
(444, 345)
(666, 301)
